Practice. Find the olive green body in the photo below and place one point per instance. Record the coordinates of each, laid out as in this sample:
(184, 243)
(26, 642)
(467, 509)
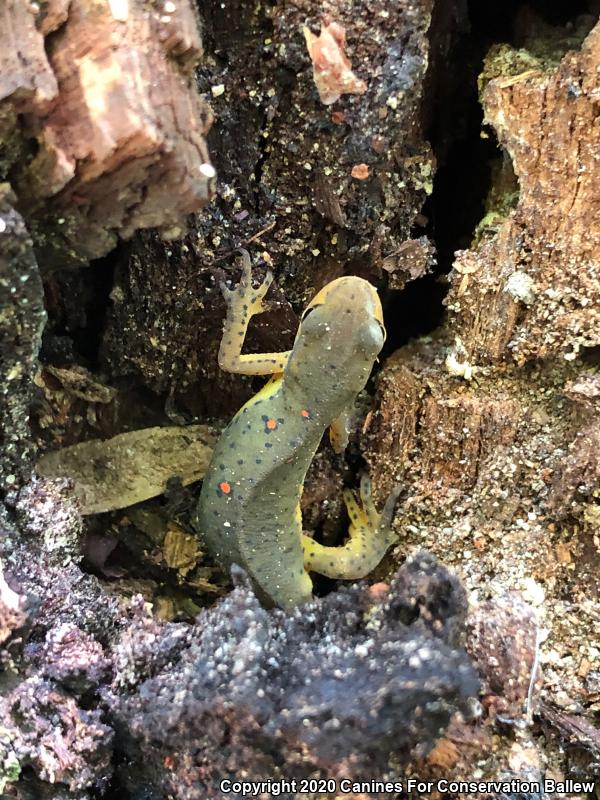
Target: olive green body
(248, 512)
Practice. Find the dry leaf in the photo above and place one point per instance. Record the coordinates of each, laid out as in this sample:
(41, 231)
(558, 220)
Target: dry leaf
(130, 467)
(180, 549)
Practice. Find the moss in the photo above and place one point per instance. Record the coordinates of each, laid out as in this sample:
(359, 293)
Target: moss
(541, 51)
(10, 769)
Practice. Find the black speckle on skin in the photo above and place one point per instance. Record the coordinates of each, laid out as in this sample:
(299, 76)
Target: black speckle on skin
(240, 461)
(268, 444)
(259, 460)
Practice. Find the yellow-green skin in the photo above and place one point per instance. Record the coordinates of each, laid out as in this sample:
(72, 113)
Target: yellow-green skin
(249, 512)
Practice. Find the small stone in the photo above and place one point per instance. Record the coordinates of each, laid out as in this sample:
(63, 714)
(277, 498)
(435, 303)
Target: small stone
(207, 170)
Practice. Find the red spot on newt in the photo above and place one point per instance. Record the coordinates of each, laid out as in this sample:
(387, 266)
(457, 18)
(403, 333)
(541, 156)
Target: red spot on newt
(270, 423)
(225, 487)
(304, 413)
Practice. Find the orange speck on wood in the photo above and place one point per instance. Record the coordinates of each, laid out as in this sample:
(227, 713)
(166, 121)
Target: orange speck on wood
(479, 542)
(360, 172)
(444, 754)
(378, 591)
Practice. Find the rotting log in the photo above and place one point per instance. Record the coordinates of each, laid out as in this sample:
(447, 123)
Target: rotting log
(101, 127)
(22, 319)
(531, 290)
(499, 479)
(491, 426)
(292, 194)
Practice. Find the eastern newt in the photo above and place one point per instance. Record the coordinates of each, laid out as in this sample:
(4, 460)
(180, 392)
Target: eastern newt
(249, 507)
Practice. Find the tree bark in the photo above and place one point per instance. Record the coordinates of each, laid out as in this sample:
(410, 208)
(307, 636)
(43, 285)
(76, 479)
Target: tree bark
(490, 423)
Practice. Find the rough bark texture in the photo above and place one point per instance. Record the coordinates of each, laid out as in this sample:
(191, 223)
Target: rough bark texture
(101, 132)
(22, 319)
(491, 431)
(531, 291)
(500, 464)
(288, 192)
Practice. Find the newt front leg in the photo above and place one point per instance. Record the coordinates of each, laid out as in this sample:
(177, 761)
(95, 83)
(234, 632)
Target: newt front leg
(243, 303)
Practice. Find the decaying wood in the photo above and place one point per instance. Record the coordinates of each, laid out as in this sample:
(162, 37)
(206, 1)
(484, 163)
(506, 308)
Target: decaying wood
(289, 191)
(496, 451)
(532, 290)
(574, 731)
(22, 319)
(111, 128)
(499, 459)
(448, 429)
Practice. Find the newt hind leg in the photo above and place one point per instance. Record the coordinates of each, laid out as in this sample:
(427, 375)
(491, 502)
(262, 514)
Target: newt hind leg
(370, 536)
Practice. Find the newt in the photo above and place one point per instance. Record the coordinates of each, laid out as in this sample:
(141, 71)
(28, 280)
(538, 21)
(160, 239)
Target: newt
(248, 512)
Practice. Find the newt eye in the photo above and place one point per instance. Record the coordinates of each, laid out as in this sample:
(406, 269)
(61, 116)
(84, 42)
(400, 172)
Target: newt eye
(371, 338)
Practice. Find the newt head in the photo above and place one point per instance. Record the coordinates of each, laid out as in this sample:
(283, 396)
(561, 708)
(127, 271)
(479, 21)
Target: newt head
(349, 291)
(340, 335)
